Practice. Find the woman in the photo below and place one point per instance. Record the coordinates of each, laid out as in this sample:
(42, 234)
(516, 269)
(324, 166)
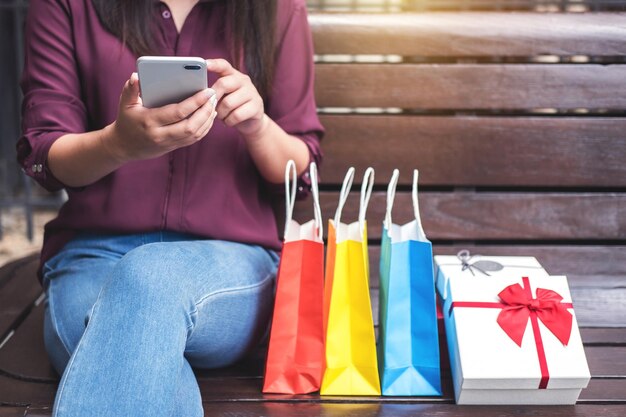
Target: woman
(164, 256)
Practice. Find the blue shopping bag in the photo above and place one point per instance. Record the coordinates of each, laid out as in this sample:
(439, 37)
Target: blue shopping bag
(408, 337)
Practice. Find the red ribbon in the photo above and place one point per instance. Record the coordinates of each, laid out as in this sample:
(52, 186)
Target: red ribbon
(518, 305)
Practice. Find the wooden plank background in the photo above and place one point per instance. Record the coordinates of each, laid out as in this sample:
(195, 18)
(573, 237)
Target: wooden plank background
(465, 5)
(471, 86)
(471, 34)
(519, 153)
(464, 215)
(478, 151)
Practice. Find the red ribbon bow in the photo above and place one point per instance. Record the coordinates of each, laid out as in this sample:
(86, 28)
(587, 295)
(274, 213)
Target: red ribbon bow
(519, 304)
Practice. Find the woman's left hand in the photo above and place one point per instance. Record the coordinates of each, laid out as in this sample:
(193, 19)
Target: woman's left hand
(239, 104)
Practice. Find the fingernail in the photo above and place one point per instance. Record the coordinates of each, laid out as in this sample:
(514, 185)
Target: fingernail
(132, 79)
(214, 101)
(210, 92)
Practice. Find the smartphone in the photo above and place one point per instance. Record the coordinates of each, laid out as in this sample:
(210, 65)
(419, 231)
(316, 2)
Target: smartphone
(170, 79)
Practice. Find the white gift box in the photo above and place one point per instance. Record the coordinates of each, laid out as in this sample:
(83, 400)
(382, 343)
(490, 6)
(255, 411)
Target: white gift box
(462, 267)
(488, 366)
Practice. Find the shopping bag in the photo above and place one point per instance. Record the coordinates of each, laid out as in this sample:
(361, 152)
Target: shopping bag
(408, 345)
(295, 357)
(351, 364)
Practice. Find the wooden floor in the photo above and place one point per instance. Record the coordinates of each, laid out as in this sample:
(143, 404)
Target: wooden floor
(28, 383)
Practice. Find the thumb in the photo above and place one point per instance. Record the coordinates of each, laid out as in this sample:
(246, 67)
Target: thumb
(130, 92)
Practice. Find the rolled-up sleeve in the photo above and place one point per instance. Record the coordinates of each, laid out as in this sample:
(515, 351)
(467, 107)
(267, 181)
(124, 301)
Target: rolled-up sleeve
(52, 105)
(292, 102)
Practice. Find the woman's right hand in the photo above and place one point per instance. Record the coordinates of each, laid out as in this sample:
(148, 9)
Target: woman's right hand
(144, 133)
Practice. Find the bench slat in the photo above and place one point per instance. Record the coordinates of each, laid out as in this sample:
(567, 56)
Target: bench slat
(607, 361)
(22, 392)
(18, 290)
(348, 409)
(12, 411)
(604, 390)
(471, 86)
(242, 391)
(249, 389)
(25, 353)
(35, 411)
(601, 336)
(351, 408)
(469, 34)
(492, 216)
(478, 151)
(600, 307)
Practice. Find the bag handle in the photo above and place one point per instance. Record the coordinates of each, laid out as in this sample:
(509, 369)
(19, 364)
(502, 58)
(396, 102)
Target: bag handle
(343, 195)
(366, 193)
(416, 208)
(391, 195)
(317, 210)
(291, 177)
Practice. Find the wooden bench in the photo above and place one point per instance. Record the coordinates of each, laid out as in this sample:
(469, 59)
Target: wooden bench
(516, 123)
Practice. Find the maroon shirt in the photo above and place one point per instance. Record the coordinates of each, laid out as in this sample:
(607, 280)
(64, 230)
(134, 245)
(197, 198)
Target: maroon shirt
(73, 74)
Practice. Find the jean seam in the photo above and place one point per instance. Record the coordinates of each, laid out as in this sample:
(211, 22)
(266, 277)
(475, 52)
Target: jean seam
(68, 368)
(55, 323)
(220, 292)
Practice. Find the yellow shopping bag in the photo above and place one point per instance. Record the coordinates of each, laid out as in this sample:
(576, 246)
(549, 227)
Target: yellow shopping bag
(351, 365)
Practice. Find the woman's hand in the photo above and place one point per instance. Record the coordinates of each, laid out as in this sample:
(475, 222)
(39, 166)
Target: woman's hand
(143, 133)
(239, 104)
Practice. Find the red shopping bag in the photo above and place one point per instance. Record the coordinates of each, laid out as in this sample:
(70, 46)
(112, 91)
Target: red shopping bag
(295, 358)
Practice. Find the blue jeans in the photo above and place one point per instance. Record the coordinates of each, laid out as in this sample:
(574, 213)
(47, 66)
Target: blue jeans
(128, 316)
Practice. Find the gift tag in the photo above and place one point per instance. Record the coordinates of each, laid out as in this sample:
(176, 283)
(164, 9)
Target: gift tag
(482, 266)
(490, 266)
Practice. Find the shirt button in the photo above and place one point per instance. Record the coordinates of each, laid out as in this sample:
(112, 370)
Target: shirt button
(300, 188)
(34, 168)
(166, 14)
(39, 168)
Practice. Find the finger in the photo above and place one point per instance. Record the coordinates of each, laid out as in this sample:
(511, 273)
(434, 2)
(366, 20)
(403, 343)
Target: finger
(173, 113)
(233, 101)
(199, 135)
(130, 92)
(227, 85)
(241, 114)
(220, 66)
(201, 118)
(191, 127)
(206, 127)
